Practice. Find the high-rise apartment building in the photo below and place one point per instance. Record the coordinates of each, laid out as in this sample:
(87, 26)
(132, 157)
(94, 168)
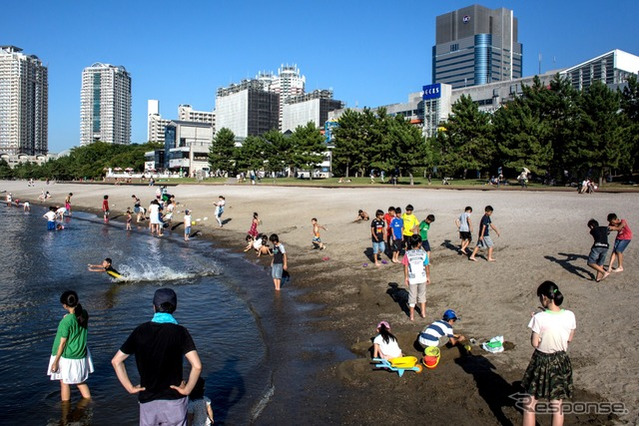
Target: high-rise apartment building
(23, 103)
(186, 113)
(476, 45)
(105, 105)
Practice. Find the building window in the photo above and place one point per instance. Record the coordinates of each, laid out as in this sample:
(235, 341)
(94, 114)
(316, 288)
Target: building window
(454, 47)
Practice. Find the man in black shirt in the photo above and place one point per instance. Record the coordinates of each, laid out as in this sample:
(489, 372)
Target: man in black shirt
(159, 346)
(599, 249)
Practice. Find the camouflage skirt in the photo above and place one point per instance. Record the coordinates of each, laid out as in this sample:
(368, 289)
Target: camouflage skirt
(549, 376)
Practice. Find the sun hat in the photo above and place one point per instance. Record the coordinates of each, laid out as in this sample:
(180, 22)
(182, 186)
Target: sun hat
(386, 324)
(449, 314)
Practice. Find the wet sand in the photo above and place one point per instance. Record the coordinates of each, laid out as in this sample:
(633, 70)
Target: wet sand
(543, 236)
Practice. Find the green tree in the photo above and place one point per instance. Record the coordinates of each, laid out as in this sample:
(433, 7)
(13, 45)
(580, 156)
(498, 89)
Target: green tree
(222, 151)
(5, 170)
(629, 105)
(599, 143)
(308, 147)
(277, 152)
(351, 148)
(523, 138)
(408, 149)
(251, 155)
(466, 144)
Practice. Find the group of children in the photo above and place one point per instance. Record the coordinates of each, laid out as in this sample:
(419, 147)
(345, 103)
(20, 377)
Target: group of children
(394, 229)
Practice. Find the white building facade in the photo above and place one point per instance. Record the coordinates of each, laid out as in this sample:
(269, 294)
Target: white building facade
(105, 105)
(23, 103)
(311, 107)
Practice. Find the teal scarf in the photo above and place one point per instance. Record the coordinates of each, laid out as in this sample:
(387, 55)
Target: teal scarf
(163, 317)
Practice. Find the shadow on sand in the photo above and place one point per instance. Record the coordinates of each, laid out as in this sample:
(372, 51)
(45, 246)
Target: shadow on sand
(492, 387)
(567, 264)
(400, 296)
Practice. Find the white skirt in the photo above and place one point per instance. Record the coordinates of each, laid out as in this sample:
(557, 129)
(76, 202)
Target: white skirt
(72, 371)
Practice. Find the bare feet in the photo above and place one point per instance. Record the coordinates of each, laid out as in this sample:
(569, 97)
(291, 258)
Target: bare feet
(491, 260)
(473, 258)
(606, 274)
(620, 269)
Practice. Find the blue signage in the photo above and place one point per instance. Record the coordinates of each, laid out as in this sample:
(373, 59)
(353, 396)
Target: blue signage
(431, 91)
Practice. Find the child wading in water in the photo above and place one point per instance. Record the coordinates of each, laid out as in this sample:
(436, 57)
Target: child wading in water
(199, 411)
(385, 344)
(316, 241)
(279, 261)
(129, 219)
(70, 360)
(105, 208)
(549, 374)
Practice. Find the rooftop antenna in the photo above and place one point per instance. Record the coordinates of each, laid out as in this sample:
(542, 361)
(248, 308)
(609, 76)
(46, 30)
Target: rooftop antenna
(539, 63)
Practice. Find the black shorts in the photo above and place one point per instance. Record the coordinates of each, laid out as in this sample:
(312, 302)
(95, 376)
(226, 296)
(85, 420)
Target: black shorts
(426, 246)
(397, 245)
(465, 235)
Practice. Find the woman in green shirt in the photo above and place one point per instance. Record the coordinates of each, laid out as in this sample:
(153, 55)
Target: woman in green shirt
(70, 360)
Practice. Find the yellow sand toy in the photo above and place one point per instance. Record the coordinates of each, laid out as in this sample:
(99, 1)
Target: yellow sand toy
(431, 356)
(400, 365)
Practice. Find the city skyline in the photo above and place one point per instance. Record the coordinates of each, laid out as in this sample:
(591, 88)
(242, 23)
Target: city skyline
(373, 55)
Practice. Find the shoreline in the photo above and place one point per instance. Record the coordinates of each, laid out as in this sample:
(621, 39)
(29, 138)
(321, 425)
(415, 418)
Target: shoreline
(353, 297)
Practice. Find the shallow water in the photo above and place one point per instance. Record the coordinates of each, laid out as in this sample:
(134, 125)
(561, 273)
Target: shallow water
(213, 295)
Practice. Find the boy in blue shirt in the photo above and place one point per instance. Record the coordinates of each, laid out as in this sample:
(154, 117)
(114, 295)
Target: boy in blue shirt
(396, 226)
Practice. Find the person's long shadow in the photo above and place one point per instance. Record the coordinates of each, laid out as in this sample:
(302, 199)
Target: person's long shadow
(225, 388)
(492, 387)
(227, 220)
(400, 296)
(449, 245)
(369, 253)
(569, 267)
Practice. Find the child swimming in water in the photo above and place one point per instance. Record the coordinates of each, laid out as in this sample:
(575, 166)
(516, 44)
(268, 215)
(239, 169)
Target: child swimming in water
(106, 266)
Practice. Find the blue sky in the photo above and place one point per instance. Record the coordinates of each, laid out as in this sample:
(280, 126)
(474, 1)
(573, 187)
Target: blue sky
(370, 53)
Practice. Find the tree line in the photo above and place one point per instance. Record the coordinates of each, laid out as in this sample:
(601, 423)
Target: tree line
(555, 131)
(83, 162)
(272, 152)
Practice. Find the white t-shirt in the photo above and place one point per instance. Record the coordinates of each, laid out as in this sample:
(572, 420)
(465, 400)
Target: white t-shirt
(187, 220)
(199, 410)
(51, 216)
(554, 329)
(61, 211)
(257, 243)
(220, 206)
(416, 260)
(464, 222)
(153, 213)
(391, 349)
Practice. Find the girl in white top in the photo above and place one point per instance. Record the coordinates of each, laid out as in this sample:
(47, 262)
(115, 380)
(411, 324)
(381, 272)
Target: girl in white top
(549, 374)
(385, 344)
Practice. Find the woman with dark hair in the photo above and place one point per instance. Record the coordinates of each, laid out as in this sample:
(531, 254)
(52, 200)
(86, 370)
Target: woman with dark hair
(70, 360)
(385, 344)
(549, 374)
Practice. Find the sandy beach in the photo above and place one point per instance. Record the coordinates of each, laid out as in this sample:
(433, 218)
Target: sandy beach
(543, 236)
